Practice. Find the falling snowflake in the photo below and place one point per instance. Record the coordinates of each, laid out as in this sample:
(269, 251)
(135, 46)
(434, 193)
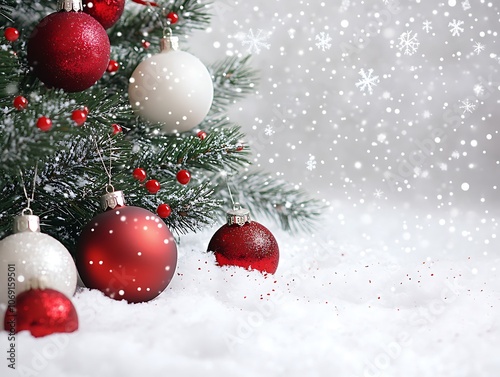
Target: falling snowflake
(467, 106)
(345, 5)
(455, 155)
(427, 26)
(479, 90)
(478, 48)
(311, 163)
(367, 81)
(323, 41)
(456, 27)
(269, 130)
(408, 42)
(378, 193)
(466, 5)
(255, 42)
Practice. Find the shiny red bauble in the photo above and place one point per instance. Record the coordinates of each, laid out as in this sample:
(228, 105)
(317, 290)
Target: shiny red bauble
(113, 66)
(79, 117)
(44, 123)
(11, 34)
(42, 312)
(127, 253)
(183, 177)
(20, 103)
(139, 174)
(153, 186)
(251, 246)
(164, 210)
(116, 128)
(107, 12)
(69, 51)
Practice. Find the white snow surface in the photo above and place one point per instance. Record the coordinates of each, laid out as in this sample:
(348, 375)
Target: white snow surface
(352, 300)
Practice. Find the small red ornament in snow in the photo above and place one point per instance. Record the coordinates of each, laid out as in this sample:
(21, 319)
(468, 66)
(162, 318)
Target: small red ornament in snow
(202, 135)
(139, 174)
(172, 17)
(113, 66)
(41, 312)
(116, 128)
(245, 243)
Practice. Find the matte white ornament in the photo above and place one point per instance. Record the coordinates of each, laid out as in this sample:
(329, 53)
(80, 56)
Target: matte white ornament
(29, 257)
(173, 88)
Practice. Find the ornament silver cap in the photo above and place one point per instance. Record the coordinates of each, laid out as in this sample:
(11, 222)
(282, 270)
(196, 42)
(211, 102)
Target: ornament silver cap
(113, 199)
(70, 5)
(26, 222)
(237, 215)
(169, 43)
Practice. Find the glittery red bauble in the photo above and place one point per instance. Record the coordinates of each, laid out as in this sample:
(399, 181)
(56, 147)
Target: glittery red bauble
(107, 12)
(127, 253)
(250, 246)
(42, 312)
(69, 51)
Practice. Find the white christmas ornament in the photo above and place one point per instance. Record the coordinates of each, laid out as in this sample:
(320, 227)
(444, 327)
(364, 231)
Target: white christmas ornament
(172, 87)
(29, 255)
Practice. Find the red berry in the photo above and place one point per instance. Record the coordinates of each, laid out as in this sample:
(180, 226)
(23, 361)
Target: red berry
(139, 174)
(146, 44)
(11, 34)
(183, 177)
(239, 148)
(79, 117)
(44, 123)
(202, 135)
(113, 66)
(116, 130)
(173, 17)
(153, 186)
(163, 211)
(20, 103)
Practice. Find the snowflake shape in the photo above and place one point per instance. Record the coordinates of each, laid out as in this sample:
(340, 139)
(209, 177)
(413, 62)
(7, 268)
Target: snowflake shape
(466, 5)
(478, 48)
(311, 163)
(467, 106)
(269, 130)
(479, 90)
(323, 41)
(378, 193)
(408, 42)
(427, 26)
(456, 27)
(367, 81)
(455, 155)
(255, 42)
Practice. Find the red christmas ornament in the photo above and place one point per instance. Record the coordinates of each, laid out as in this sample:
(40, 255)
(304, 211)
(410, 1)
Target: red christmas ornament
(139, 174)
(20, 103)
(126, 252)
(202, 135)
(163, 210)
(245, 243)
(11, 34)
(113, 66)
(183, 177)
(44, 123)
(146, 44)
(172, 17)
(153, 186)
(42, 312)
(107, 12)
(239, 148)
(69, 50)
(116, 128)
(79, 117)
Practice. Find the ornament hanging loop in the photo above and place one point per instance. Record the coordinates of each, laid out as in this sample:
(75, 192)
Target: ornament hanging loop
(29, 199)
(70, 5)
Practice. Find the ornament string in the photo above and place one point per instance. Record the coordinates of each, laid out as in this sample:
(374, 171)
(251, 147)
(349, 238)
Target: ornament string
(109, 186)
(230, 192)
(29, 199)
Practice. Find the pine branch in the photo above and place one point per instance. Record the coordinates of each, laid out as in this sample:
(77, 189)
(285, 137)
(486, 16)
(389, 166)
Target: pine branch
(6, 7)
(233, 79)
(263, 194)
